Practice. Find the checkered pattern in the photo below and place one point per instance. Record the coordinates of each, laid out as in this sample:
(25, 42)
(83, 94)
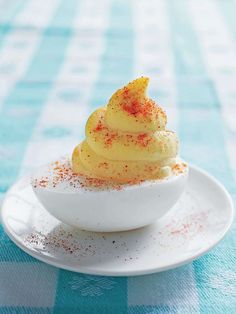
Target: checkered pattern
(60, 59)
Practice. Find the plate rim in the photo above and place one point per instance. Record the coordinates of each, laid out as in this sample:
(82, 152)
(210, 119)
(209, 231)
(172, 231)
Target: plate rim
(85, 270)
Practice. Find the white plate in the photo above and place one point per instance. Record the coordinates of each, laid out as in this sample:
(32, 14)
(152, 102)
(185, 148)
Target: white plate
(196, 224)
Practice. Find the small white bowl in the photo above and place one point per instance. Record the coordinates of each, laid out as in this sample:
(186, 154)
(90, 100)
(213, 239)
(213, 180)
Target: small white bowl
(132, 207)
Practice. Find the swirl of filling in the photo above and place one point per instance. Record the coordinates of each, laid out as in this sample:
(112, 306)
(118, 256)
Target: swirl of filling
(127, 140)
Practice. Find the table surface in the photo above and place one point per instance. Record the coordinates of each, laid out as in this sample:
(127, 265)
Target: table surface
(59, 61)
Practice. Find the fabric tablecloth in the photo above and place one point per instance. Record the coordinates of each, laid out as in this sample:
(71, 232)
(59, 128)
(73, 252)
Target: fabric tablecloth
(59, 60)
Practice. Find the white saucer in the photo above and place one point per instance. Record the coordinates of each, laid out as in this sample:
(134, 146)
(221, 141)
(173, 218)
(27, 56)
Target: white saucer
(197, 223)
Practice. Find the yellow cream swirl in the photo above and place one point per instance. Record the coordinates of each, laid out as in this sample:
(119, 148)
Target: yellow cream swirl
(127, 140)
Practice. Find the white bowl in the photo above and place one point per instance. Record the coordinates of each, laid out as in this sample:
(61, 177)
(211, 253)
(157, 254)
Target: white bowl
(132, 207)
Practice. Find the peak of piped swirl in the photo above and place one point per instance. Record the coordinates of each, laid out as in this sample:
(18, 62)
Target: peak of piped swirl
(127, 140)
(130, 110)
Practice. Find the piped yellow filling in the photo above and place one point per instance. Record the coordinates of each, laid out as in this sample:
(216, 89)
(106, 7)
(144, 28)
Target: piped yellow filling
(127, 140)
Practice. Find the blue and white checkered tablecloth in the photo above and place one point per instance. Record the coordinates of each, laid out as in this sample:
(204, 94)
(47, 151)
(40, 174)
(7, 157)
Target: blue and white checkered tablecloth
(59, 59)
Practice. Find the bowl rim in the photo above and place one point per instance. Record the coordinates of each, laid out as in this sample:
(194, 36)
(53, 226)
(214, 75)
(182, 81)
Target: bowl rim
(124, 187)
